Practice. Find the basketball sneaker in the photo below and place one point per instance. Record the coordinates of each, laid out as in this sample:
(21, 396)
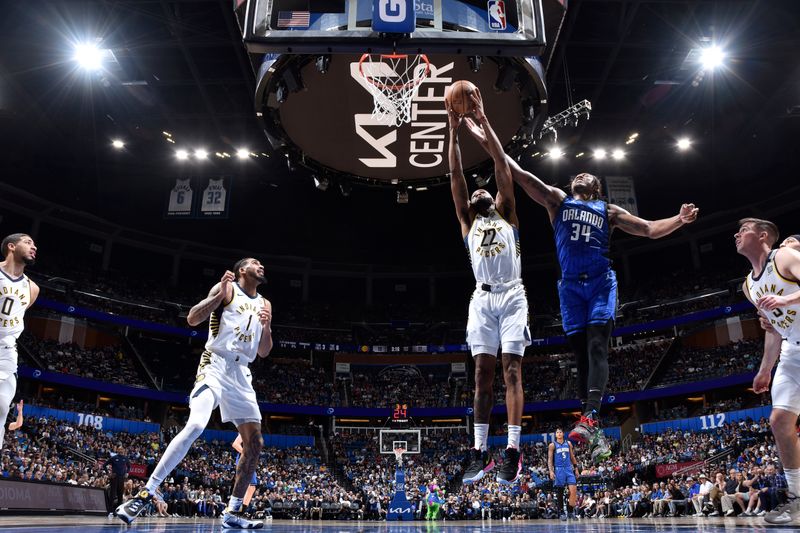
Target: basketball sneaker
(511, 467)
(236, 520)
(785, 512)
(585, 429)
(478, 465)
(128, 511)
(600, 448)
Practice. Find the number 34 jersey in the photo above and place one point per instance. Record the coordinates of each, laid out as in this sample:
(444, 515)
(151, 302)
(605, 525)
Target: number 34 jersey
(582, 232)
(493, 246)
(234, 330)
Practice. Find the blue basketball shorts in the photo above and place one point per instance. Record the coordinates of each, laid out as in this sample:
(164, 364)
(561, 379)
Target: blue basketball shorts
(587, 302)
(564, 477)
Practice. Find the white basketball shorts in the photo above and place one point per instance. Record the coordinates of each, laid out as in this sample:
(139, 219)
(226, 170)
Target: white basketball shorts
(786, 383)
(232, 385)
(498, 320)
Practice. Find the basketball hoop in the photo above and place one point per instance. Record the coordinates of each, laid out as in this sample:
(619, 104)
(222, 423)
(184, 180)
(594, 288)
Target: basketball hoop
(398, 453)
(393, 80)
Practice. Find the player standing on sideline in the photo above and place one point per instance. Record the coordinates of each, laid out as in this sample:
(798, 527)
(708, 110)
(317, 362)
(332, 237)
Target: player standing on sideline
(498, 310)
(251, 488)
(587, 290)
(563, 468)
(17, 294)
(773, 286)
(239, 329)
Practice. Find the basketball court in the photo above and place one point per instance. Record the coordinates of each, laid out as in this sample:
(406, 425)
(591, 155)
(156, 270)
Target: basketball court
(188, 525)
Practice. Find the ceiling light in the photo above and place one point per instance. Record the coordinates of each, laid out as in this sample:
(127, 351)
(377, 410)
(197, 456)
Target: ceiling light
(617, 154)
(579, 155)
(684, 143)
(88, 56)
(119, 145)
(711, 57)
(167, 134)
(599, 154)
(200, 153)
(242, 153)
(182, 155)
(633, 135)
(556, 152)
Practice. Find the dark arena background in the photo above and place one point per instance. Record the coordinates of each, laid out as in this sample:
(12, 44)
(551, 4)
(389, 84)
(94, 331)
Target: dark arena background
(148, 145)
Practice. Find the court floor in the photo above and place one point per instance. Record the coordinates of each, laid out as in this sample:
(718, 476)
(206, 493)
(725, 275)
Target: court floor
(84, 524)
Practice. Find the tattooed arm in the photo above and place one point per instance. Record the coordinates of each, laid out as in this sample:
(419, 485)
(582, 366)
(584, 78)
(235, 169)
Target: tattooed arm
(219, 293)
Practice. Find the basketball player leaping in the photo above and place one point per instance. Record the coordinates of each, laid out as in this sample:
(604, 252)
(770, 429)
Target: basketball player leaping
(587, 290)
(563, 467)
(772, 286)
(498, 311)
(17, 294)
(239, 329)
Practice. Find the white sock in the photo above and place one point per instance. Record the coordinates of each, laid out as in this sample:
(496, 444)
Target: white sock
(481, 436)
(513, 436)
(235, 504)
(793, 480)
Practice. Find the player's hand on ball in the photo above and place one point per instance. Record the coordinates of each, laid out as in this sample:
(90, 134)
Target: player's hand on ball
(477, 104)
(761, 382)
(688, 213)
(771, 302)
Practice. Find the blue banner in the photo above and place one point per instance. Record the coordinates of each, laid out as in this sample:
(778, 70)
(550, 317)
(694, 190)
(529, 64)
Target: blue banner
(707, 422)
(274, 441)
(502, 440)
(103, 423)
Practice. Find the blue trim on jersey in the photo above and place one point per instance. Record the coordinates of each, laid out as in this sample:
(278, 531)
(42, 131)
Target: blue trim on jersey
(12, 280)
(242, 291)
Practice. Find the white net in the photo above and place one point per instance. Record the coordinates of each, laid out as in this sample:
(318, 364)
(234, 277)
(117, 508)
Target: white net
(393, 80)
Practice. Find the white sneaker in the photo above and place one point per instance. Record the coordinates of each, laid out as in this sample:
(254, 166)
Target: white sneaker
(231, 520)
(730, 512)
(762, 512)
(785, 512)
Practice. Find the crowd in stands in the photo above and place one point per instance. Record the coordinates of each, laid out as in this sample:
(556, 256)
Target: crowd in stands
(697, 364)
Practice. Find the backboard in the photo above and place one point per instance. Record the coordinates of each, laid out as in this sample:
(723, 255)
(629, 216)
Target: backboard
(511, 28)
(408, 439)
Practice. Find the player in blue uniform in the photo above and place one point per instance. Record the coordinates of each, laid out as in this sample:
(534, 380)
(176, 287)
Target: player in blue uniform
(563, 468)
(251, 488)
(582, 224)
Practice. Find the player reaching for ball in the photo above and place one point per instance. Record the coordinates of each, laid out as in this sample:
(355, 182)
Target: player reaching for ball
(582, 224)
(239, 329)
(498, 310)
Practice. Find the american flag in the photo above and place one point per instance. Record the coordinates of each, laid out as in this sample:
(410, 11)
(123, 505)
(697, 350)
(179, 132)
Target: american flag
(294, 19)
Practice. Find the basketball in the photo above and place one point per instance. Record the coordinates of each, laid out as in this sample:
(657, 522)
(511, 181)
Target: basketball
(457, 96)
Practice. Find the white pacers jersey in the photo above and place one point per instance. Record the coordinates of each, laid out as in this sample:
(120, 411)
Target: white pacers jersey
(493, 246)
(234, 330)
(15, 297)
(783, 319)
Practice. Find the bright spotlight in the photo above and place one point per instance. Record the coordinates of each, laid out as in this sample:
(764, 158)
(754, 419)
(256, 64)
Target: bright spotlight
(617, 154)
(242, 153)
(200, 153)
(119, 145)
(182, 155)
(599, 154)
(684, 144)
(88, 56)
(711, 57)
(556, 152)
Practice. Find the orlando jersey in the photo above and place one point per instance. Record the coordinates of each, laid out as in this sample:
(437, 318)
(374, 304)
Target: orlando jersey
(562, 457)
(493, 246)
(234, 330)
(15, 297)
(770, 281)
(582, 232)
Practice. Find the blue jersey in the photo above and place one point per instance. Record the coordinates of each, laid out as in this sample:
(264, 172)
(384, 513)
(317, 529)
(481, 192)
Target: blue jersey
(562, 457)
(582, 234)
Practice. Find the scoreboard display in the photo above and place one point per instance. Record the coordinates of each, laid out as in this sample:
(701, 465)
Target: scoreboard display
(400, 416)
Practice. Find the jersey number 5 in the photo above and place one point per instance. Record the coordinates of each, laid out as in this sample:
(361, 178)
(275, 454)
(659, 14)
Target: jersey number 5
(580, 230)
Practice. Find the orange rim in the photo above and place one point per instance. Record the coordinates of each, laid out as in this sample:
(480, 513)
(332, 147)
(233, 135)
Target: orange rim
(394, 87)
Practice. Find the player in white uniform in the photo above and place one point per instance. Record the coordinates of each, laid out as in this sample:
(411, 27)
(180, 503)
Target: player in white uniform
(17, 294)
(773, 286)
(498, 311)
(239, 329)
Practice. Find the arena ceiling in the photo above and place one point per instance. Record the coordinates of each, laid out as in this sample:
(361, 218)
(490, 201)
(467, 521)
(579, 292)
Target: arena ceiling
(178, 66)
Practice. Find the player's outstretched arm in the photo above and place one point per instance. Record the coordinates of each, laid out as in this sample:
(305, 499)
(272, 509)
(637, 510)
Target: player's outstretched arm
(219, 293)
(502, 173)
(654, 229)
(16, 424)
(265, 317)
(787, 261)
(545, 195)
(458, 184)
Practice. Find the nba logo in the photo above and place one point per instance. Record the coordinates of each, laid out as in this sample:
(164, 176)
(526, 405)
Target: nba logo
(496, 9)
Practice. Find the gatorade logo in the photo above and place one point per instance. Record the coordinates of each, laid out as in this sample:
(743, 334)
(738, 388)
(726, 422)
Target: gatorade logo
(392, 10)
